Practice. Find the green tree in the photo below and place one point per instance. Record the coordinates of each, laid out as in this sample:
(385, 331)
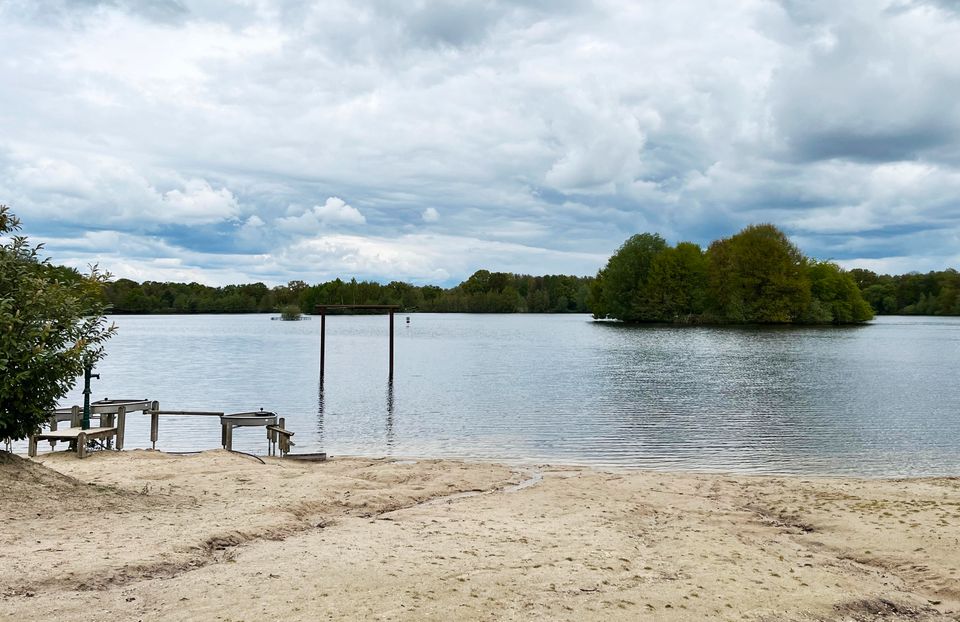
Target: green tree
(836, 297)
(678, 283)
(620, 290)
(758, 276)
(51, 326)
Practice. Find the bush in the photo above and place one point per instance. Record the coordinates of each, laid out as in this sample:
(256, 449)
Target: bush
(290, 312)
(51, 326)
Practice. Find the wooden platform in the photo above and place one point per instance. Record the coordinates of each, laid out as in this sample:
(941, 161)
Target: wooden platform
(318, 457)
(72, 435)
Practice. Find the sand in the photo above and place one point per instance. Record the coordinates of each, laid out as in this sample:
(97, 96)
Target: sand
(142, 535)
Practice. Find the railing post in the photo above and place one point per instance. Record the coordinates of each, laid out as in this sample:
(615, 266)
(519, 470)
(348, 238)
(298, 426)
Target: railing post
(391, 344)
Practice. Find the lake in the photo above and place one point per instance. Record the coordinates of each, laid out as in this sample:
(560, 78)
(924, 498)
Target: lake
(877, 400)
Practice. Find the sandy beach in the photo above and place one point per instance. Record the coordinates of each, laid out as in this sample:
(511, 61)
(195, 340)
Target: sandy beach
(143, 535)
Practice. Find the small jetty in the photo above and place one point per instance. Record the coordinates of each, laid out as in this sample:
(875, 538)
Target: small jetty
(111, 416)
(111, 424)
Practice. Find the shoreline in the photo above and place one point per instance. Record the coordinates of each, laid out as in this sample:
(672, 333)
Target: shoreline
(550, 463)
(146, 535)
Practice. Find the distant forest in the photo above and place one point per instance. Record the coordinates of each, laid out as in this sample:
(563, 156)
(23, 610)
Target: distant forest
(933, 293)
(483, 292)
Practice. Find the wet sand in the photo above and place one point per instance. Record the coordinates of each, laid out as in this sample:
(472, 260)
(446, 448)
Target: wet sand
(142, 535)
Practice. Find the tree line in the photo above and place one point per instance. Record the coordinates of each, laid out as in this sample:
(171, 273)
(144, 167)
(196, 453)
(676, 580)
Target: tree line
(933, 293)
(754, 277)
(483, 292)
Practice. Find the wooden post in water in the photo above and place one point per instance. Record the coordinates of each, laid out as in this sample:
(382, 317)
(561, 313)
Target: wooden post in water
(322, 310)
(391, 344)
(323, 339)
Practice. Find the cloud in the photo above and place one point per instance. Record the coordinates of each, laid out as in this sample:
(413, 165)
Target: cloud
(867, 84)
(424, 257)
(198, 202)
(105, 191)
(334, 212)
(560, 127)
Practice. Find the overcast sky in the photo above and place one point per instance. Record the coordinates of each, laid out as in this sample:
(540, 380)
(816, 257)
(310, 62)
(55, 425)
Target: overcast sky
(262, 140)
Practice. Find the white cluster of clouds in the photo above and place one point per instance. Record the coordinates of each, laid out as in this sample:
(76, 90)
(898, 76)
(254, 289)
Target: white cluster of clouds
(280, 139)
(109, 192)
(319, 218)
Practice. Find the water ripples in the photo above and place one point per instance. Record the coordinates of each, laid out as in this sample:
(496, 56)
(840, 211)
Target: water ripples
(876, 400)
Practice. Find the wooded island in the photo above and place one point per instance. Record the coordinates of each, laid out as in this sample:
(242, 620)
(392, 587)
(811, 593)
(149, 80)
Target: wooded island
(754, 277)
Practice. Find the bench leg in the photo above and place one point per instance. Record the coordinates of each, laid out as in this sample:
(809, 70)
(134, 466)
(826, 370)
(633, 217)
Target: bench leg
(109, 422)
(81, 445)
(32, 449)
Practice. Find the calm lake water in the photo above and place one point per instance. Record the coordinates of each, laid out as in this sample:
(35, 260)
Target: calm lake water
(881, 399)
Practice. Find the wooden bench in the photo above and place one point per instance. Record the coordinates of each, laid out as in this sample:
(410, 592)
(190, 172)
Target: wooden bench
(112, 415)
(74, 435)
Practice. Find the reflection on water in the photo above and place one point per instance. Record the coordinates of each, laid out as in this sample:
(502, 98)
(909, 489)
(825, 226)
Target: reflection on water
(390, 437)
(879, 400)
(320, 411)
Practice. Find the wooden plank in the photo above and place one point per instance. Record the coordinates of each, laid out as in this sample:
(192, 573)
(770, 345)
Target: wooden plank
(317, 457)
(74, 433)
(110, 406)
(320, 308)
(199, 413)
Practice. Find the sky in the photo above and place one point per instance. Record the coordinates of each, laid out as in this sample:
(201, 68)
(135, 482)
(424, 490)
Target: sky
(255, 140)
